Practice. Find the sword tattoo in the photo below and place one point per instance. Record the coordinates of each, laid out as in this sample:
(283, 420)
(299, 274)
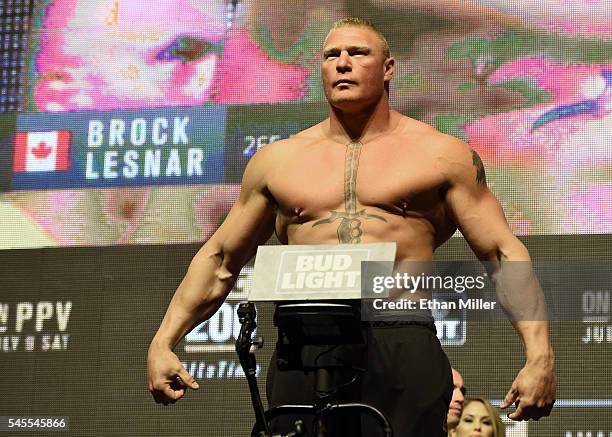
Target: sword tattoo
(349, 229)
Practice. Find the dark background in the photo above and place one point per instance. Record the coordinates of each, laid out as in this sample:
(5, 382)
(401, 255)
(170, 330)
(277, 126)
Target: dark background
(119, 296)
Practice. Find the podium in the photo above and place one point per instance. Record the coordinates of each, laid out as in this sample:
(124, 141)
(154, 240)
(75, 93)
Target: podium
(317, 290)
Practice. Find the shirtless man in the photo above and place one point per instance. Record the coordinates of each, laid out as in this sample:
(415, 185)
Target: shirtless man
(366, 174)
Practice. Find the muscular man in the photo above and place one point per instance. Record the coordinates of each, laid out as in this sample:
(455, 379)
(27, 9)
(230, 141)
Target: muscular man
(367, 174)
(456, 405)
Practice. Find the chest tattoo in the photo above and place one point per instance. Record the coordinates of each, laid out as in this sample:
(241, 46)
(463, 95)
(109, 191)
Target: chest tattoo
(349, 229)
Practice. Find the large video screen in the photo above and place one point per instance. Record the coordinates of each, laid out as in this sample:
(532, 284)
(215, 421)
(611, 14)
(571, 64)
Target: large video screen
(132, 123)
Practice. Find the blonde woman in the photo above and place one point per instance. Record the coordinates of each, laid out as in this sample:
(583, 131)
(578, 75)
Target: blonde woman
(478, 419)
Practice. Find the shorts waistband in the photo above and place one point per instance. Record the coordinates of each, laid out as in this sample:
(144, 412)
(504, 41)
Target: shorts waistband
(398, 323)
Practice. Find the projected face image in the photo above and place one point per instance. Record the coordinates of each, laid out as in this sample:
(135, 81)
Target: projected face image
(566, 140)
(106, 54)
(117, 216)
(428, 80)
(109, 54)
(530, 92)
(78, 217)
(537, 105)
(573, 17)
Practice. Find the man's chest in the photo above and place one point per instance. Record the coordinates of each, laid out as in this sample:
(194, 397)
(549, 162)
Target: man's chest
(395, 179)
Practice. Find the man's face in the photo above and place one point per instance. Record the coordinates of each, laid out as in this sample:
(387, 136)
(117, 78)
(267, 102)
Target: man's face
(456, 405)
(354, 68)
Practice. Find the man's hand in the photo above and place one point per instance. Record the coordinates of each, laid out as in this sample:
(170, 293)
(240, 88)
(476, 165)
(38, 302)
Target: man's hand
(168, 379)
(533, 391)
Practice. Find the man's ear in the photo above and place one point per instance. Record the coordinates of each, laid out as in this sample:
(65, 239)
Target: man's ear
(389, 68)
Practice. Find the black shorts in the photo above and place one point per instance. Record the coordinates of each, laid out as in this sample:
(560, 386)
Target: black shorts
(407, 376)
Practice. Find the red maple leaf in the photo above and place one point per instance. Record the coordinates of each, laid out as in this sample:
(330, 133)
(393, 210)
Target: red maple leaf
(41, 151)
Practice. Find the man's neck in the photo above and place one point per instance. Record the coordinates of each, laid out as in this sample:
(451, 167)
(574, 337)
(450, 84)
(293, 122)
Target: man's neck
(362, 125)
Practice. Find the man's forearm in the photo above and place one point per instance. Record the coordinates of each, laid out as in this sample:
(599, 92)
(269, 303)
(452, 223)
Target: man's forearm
(200, 294)
(521, 296)
(533, 390)
(536, 340)
(525, 305)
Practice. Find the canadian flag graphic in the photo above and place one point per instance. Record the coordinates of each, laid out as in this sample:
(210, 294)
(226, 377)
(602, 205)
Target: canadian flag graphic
(42, 151)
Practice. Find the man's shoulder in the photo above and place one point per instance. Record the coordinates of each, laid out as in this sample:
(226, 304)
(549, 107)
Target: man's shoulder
(456, 159)
(279, 151)
(429, 136)
(449, 146)
(453, 158)
(288, 146)
(312, 134)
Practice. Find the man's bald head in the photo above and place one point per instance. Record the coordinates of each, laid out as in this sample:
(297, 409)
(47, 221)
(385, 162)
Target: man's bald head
(456, 405)
(359, 22)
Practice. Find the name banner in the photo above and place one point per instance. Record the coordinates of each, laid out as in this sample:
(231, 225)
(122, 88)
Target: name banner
(119, 148)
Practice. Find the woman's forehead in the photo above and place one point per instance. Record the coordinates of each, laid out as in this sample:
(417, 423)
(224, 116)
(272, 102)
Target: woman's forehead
(476, 408)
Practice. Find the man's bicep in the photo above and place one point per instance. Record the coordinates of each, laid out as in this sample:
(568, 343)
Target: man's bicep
(250, 221)
(480, 218)
(476, 211)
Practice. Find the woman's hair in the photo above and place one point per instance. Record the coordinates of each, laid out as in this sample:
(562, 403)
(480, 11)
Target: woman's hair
(499, 429)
